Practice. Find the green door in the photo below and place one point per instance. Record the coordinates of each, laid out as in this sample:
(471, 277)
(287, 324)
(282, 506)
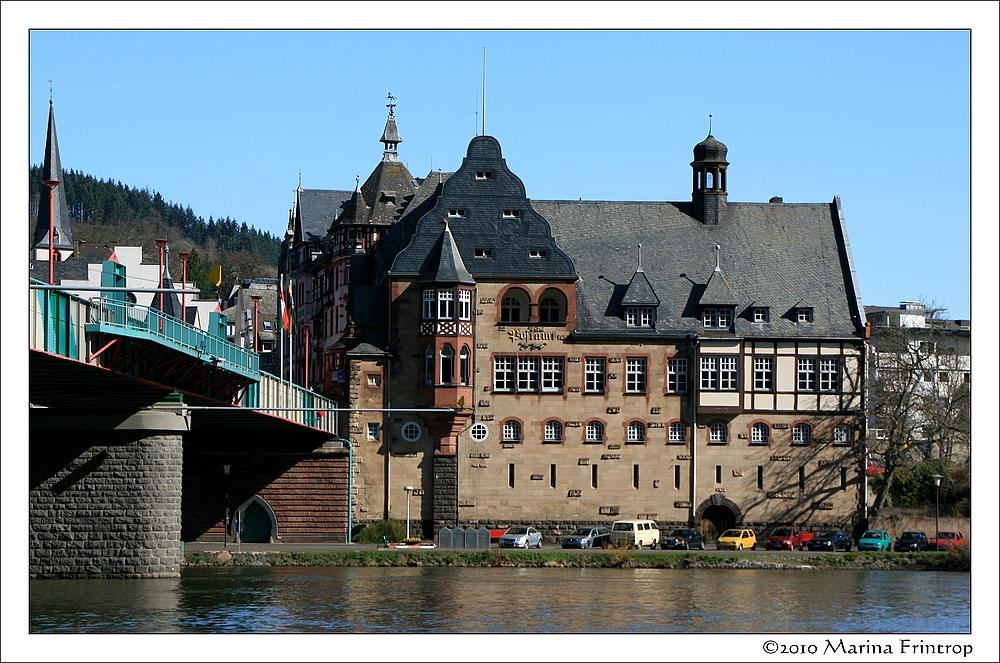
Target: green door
(256, 524)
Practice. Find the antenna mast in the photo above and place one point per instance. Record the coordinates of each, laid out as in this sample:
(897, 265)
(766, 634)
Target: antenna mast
(484, 90)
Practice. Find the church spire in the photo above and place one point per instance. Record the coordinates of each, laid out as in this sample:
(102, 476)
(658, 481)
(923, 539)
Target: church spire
(390, 137)
(54, 210)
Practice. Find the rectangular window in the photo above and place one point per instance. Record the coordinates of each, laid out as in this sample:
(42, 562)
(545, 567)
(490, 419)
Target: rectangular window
(760, 477)
(802, 478)
(464, 304)
(710, 373)
(446, 304)
(527, 373)
(267, 325)
(804, 315)
(427, 312)
(760, 314)
(763, 373)
(677, 477)
(552, 475)
(484, 253)
(484, 175)
(374, 379)
(456, 212)
(635, 477)
(511, 213)
(725, 318)
(807, 374)
(719, 373)
(503, 374)
(552, 374)
(639, 316)
(594, 374)
(266, 347)
(843, 478)
(718, 474)
(536, 253)
(829, 375)
(708, 317)
(727, 373)
(635, 375)
(510, 474)
(593, 476)
(372, 431)
(677, 375)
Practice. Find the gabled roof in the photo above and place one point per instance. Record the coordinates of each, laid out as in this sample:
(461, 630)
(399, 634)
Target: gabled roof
(718, 292)
(315, 211)
(640, 291)
(52, 172)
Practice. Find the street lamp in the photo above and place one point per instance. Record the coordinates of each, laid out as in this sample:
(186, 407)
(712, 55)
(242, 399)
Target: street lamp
(225, 522)
(937, 489)
(408, 489)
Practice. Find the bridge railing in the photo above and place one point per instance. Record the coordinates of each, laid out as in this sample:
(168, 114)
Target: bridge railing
(290, 401)
(57, 323)
(152, 322)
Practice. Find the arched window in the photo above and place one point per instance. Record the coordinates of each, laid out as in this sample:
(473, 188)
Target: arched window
(717, 434)
(429, 365)
(553, 431)
(636, 433)
(595, 431)
(549, 311)
(514, 306)
(511, 431)
(760, 434)
(677, 433)
(800, 434)
(447, 364)
(464, 365)
(842, 435)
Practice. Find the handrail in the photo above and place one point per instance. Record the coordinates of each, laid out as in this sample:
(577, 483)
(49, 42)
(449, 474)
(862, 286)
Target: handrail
(290, 401)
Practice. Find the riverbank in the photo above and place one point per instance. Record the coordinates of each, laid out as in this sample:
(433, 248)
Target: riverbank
(937, 561)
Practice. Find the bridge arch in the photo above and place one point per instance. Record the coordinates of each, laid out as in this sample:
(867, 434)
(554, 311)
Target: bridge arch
(257, 520)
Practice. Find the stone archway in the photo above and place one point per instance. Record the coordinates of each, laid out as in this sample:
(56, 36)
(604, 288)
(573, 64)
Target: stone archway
(257, 520)
(717, 514)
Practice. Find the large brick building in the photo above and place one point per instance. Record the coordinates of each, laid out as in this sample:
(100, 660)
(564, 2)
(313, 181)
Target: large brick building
(567, 362)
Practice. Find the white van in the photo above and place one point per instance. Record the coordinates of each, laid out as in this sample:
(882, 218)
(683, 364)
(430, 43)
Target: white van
(636, 533)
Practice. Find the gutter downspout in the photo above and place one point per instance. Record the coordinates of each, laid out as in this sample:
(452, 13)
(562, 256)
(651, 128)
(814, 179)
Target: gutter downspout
(350, 489)
(695, 372)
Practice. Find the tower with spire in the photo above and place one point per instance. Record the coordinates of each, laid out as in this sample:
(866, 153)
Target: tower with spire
(52, 208)
(709, 179)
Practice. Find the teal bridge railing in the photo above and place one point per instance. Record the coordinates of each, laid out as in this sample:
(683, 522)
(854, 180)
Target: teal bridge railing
(60, 321)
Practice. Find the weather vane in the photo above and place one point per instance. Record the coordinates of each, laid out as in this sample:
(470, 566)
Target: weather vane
(709, 124)
(391, 105)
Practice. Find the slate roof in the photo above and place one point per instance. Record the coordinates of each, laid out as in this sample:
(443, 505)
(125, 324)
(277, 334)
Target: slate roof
(387, 191)
(779, 256)
(520, 248)
(316, 210)
(444, 263)
(52, 171)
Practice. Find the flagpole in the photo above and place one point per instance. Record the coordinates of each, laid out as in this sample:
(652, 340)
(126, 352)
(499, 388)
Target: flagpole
(281, 344)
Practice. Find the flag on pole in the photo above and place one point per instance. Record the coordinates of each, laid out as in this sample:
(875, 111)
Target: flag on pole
(291, 304)
(215, 276)
(285, 318)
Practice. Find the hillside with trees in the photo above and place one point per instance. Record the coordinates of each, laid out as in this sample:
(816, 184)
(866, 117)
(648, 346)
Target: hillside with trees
(106, 213)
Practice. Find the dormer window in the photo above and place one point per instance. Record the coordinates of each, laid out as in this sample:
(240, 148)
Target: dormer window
(536, 253)
(484, 253)
(717, 318)
(453, 213)
(640, 316)
(511, 213)
(484, 175)
(803, 314)
(760, 314)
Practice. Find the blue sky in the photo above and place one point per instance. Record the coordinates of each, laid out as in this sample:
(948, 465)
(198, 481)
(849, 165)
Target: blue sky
(226, 120)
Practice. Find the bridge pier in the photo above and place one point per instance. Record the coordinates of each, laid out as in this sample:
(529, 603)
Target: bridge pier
(105, 492)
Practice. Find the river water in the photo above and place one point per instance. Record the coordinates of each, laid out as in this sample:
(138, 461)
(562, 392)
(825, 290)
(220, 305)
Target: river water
(417, 600)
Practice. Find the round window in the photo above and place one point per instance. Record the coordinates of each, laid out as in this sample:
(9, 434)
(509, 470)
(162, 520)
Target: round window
(479, 432)
(411, 431)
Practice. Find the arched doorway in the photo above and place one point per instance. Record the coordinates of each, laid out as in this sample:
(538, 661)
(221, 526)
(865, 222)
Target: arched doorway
(717, 514)
(256, 520)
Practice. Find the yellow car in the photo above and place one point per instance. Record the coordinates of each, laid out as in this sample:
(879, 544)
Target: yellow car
(737, 539)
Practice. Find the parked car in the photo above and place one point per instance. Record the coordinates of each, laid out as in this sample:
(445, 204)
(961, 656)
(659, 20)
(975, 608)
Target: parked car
(875, 466)
(947, 540)
(787, 538)
(587, 537)
(833, 541)
(875, 539)
(911, 542)
(635, 533)
(737, 539)
(521, 537)
(683, 539)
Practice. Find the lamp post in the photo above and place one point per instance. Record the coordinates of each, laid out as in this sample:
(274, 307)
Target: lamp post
(408, 489)
(184, 277)
(937, 489)
(256, 304)
(225, 522)
(161, 243)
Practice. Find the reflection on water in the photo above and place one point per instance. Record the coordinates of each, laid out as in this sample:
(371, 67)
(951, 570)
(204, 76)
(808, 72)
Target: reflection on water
(465, 600)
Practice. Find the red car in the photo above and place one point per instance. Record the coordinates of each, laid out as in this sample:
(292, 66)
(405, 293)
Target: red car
(947, 540)
(875, 466)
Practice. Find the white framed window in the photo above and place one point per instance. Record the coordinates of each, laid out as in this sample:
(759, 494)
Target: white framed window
(594, 375)
(635, 375)
(636, 432)
(677, 375)
(446, 304)
(760, 314)
(725, 318)
(511, 213)
(639, 316)
(709, 316)
(511, 431)
(595, 432)
(479, 432)
(760, 434)
(268, 325)
(484, 175)
(829, 374)
(503, 374)
(553, 431)
(373, 430)
(842, 435)
(677, 433)
(803, 315)
(374, 379)
(727, 373)
(536, 253)
(411, 431)
(807, 374)
(719, 373)
(801, 434)
(456, 213)
(552, 374)
(464, 304)
(427, 310)
(527, 373)
(763, 373)
(718, 434)
(484, 253)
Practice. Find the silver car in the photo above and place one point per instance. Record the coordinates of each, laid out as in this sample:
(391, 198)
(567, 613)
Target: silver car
(521, 537)
(587, 537)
